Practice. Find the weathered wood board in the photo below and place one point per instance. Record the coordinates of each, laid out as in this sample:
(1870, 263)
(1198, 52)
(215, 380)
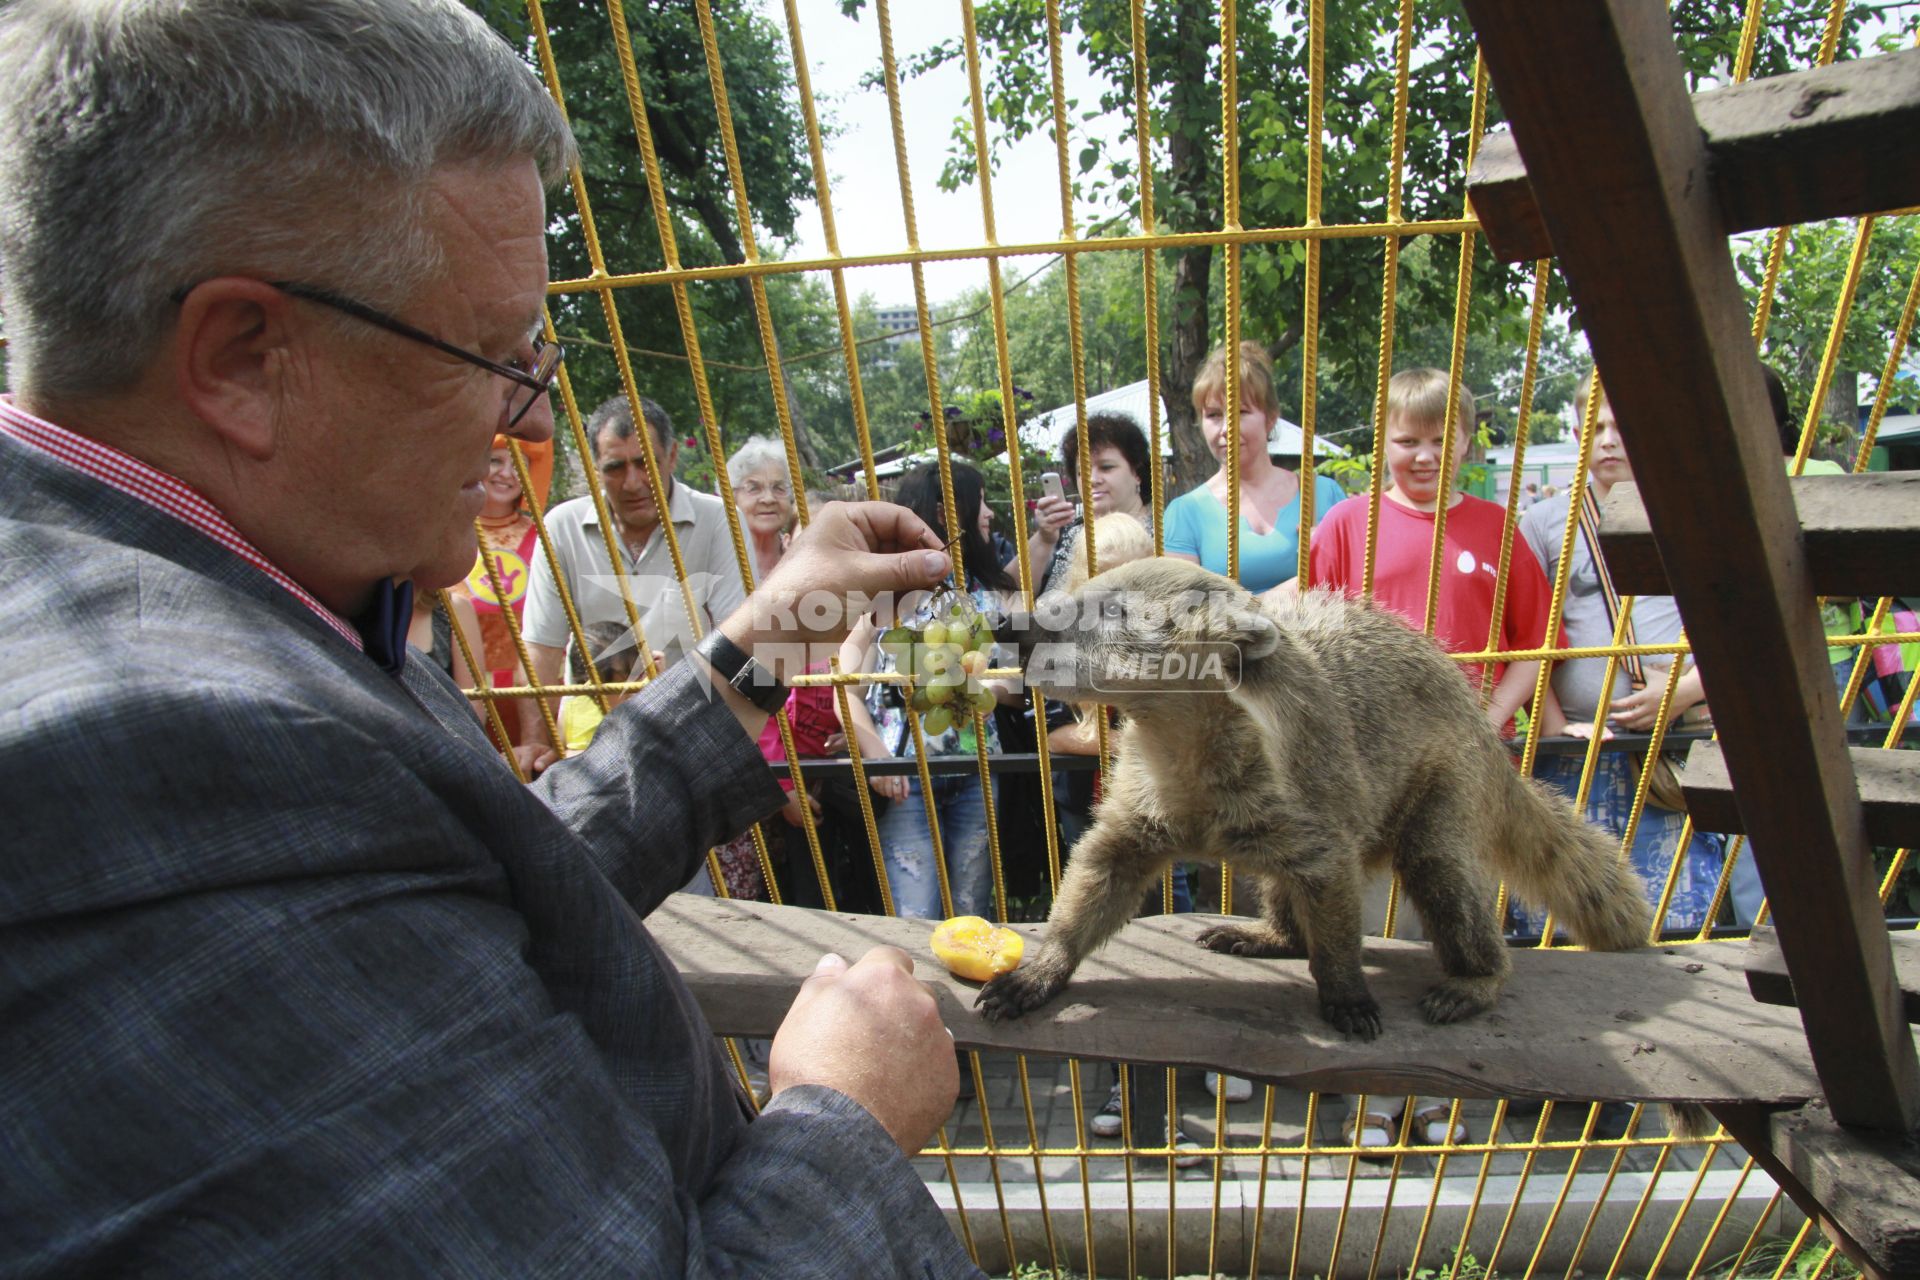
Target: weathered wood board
(1869, 1183)
(1768, 980)
(1862, 535)
(1670, 1023)
(1889, 784)
(1820, 143)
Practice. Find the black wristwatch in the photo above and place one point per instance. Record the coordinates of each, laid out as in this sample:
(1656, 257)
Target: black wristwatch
(737, 667)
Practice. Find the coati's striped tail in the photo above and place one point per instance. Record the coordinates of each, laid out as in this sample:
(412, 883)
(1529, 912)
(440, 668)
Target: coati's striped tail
(1552, 857)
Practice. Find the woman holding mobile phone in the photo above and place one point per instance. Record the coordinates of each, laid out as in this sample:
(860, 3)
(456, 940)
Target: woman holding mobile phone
(1119, 459)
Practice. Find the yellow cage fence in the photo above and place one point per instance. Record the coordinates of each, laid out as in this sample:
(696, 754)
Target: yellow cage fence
(683, 278)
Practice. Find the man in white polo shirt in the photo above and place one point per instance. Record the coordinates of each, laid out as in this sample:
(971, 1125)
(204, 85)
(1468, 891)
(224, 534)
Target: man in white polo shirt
(647, 569)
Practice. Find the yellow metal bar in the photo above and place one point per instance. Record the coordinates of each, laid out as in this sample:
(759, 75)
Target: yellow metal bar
(1720, 1218)
(1310, 287)
(1888, 372)
(1389, 289)
(1149, 272)
(917, 256)
(763, 316)
(1230, 390)
(1530, 366)
(512, 620)
(1456, 367)
(591, 239)
(823, 199)
(1836, 337)
(1563, 568)
(473, 665)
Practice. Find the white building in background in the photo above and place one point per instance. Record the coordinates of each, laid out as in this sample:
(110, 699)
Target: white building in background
(1547, 463)
(901, 324)
(1045, 431)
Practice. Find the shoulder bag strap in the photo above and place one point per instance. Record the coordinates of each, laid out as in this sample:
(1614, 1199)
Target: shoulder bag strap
(1590, 532)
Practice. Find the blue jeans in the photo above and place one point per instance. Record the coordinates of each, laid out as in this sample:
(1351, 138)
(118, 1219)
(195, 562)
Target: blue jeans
(908, 848)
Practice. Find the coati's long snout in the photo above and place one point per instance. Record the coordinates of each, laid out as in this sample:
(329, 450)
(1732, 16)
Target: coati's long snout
(1140, 634)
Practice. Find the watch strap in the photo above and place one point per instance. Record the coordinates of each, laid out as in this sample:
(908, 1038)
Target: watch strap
(737, 667)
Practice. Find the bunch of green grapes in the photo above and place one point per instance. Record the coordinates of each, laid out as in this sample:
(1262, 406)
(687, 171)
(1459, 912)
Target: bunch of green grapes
(947, 657)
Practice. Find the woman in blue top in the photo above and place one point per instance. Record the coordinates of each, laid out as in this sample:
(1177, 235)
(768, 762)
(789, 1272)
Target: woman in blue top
(1196, 522)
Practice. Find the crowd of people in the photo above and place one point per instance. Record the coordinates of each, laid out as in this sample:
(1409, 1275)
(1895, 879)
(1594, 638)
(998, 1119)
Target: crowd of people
(299, 978)
(1492, 592)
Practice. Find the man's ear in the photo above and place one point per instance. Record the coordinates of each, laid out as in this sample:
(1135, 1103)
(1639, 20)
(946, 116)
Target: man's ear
(232, 348)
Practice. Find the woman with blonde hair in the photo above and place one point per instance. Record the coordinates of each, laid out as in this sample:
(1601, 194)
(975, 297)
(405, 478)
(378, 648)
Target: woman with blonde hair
(1196, 522)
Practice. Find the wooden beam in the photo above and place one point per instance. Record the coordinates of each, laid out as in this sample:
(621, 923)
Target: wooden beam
(1666, 1023)
(1889, 1255)
(1889, 784)
(1600, 112)
(1768, 980)
(1862, 535)
(1821, 143)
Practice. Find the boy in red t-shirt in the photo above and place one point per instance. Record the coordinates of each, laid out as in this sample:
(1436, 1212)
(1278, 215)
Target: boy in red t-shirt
(1470, 559)
(1463, 611)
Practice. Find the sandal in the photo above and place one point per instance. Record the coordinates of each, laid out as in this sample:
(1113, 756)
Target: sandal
(1429, 1128)
(1373, 1130)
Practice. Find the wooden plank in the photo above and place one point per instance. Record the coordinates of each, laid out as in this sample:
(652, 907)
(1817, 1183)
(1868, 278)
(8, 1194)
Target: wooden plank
(1768, 980)
(1666, 1023)
(1600, 112)
(1889, 785)
(1862, 535)
(1869, 1183)
(1821, 143)
(1875, 1162)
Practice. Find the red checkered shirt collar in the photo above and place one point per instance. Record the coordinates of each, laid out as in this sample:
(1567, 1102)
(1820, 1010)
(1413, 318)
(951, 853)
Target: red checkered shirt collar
(162, 492)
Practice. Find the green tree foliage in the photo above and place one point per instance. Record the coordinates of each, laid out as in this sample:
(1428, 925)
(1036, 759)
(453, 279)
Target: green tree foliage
(1812, 272)
(681, 115)
(1182, 54)
(1112, 326)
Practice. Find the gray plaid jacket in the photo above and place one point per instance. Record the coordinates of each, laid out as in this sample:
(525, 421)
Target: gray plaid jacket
(295, 979)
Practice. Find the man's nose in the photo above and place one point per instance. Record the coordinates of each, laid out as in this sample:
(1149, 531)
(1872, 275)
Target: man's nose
(536, 424)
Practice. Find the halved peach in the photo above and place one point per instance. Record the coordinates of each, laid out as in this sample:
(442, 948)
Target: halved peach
(972, 948)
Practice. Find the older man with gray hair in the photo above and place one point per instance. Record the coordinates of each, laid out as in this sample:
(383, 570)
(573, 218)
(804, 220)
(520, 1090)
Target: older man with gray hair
(644, 573)
(296, 978)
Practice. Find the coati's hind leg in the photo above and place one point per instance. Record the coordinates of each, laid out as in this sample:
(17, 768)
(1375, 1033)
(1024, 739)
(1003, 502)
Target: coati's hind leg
(1110, 869)
(1276, 934)
(1438, 862)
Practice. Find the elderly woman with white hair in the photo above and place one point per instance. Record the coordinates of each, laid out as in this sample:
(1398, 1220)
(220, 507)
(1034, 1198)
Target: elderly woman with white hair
(763, 491)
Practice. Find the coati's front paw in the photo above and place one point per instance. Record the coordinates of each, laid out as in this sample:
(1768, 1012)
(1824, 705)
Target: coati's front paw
(1012, 994)
(1355, 1015)
(1459, 998)
(1249, 940)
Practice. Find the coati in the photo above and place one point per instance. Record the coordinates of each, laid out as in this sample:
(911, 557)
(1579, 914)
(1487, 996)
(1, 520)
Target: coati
(1347, 746)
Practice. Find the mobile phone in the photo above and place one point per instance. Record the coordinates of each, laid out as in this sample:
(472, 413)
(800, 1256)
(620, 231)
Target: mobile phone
(1050, 485)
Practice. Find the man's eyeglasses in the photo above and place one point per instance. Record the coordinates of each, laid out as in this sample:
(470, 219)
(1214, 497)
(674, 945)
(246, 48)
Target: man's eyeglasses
(533, 381)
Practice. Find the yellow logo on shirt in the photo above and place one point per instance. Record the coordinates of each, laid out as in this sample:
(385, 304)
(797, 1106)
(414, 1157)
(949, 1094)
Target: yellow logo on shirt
(513, 577)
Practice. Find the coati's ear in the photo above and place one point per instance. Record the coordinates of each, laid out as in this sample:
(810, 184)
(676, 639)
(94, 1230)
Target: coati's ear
(1256, 634)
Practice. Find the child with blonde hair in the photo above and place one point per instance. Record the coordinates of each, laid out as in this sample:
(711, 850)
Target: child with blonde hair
(1418, 460)
(1469, 560)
